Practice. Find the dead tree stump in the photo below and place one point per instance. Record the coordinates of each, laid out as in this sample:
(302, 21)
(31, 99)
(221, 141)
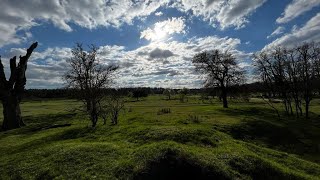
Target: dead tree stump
(11, 90)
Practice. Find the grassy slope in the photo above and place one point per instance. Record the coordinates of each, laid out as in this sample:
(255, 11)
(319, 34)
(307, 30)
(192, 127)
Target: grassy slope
(245, 141)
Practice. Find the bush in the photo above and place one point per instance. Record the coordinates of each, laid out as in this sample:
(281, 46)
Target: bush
(193, 118)
(164, 111)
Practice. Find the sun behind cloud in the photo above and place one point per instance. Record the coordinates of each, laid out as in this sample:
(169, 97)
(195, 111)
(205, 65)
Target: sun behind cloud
(162, 30)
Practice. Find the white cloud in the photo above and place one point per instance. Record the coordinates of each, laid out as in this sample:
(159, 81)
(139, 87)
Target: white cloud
(294, 28)
(297, 8)
(158, 13)
(276, 32)
(309, 32)
(164, 28)
(168, 64)
(232, 13)
(165, 64)
(16, 16)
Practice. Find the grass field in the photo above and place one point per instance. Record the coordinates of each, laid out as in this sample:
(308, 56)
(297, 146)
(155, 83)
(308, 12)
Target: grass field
(198, 140)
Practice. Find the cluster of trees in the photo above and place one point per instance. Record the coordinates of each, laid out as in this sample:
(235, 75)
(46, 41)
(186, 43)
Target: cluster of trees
(292, 75)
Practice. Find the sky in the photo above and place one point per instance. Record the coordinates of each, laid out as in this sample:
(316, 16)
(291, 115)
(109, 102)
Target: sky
(153, 42)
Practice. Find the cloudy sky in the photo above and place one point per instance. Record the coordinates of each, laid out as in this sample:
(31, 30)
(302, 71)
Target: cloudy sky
(152, 41)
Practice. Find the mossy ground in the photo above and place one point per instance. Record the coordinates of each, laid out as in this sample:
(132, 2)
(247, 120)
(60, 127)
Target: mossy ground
(245, 141)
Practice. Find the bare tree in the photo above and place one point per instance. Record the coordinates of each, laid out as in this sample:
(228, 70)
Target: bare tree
(308, 56)
(88, 75)
(111, 107)
(290, 75)
(11, 90)
(221, 70)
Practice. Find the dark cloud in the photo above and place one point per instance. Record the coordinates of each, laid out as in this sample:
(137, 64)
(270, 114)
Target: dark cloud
(160, 54)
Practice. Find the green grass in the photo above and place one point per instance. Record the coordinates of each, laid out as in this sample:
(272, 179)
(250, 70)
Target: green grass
(246, 141)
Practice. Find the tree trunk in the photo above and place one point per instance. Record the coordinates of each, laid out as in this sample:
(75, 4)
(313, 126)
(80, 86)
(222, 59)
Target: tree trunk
(11, 90)
(115, 118)
(224, 97)
(11, 113)
(94, 115)
(307, 107)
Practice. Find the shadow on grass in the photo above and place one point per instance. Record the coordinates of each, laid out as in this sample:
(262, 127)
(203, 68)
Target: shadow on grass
(171, 166)
(261, 126)
(180, 135)
(67, 134)
(35, 124)
(257, 169)
(252, 112)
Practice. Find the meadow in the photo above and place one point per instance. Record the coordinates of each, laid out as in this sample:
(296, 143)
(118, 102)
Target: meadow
(162, 139)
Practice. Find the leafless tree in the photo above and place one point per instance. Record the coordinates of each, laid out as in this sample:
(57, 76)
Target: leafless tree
(221, 70)
(290, 75)
(308, 56)
(111, 107)
(11, 90)
(90, 77)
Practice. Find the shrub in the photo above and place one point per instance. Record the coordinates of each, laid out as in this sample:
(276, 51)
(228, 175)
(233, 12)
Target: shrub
(164, 111)
(193, 118)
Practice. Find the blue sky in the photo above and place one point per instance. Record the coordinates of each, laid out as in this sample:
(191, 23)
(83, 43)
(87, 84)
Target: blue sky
(153, 42)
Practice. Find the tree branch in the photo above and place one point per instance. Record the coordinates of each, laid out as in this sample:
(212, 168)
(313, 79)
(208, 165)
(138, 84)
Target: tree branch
(13, 67)
(2, 74)
(21, 69)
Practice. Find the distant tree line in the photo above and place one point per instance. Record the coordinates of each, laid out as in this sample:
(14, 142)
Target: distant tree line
(74, 93)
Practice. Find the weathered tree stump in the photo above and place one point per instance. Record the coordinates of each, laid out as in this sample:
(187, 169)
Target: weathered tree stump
(11, 90)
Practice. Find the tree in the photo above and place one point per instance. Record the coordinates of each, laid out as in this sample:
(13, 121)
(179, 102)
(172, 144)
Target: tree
(220, 69)
(183, 94)
(111, 107)
(90, 77)
(290, 75)
(11, 90)
(168, 93)
(308, 56)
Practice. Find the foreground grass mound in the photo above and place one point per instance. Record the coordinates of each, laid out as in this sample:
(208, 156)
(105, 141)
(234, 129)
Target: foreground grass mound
(143, 146)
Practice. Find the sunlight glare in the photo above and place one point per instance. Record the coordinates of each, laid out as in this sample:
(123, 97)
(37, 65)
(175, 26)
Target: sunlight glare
(159, 33)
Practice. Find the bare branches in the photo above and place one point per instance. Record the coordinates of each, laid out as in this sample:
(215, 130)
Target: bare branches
(220, 68)
(90, 77)
(3, 80)
(289, 74)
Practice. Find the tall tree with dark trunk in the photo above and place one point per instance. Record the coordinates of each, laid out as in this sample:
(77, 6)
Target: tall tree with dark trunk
(11, 90)
(88, 75)
(221, 70)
